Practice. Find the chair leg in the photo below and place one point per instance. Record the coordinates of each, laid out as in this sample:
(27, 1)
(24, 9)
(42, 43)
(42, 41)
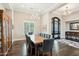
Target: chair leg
(35, 50)
(43, 53)
(51, 53)
(38, 53)
(30, 51)
(48, 53)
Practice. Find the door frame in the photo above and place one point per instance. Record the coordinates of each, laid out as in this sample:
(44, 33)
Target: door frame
(53, 30)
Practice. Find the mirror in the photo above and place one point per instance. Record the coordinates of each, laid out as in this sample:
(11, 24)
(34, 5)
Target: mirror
(74, 26)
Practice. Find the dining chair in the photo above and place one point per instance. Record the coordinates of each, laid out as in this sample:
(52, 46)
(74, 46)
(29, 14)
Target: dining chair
(28, 43)
(31, 45)
(30, 33)
(27, 40)
(40, 34)
(46, 47)
(47, 35)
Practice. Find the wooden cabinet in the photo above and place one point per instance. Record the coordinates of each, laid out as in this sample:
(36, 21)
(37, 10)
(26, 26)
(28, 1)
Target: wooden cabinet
(5, 33)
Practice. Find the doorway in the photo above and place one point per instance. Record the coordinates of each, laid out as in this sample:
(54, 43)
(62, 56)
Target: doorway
(56, 28)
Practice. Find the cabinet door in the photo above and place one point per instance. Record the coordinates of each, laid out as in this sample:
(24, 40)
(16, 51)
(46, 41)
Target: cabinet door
(9, 32)
(56, 28)
(5, 27)
(5, 32)
(0, 33)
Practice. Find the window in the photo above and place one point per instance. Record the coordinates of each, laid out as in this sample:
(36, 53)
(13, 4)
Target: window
(28, 27)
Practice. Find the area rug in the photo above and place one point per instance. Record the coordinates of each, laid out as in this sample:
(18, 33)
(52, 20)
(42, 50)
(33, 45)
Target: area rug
(69, 42)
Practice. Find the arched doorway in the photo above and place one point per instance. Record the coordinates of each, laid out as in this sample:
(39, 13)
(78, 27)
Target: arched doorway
(56, 28)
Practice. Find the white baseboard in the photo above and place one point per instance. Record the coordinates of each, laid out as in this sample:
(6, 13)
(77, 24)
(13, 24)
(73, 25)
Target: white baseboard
(17, 39)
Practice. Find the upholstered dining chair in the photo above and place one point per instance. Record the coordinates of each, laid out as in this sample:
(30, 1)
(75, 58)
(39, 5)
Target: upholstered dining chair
(31, 45)
(26, 39)
(46, 48)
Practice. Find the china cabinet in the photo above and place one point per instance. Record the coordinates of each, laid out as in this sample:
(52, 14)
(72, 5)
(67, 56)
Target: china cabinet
(5, 33)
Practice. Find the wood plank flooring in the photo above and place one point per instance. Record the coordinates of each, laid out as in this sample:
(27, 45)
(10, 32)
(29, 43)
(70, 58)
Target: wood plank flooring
(20, 49)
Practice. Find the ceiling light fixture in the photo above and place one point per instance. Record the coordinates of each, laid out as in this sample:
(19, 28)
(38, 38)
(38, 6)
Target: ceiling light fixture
(67, 11)
(33, 13)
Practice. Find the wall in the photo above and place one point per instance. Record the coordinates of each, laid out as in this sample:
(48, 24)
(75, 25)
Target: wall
(72, 18)
(62, 23)
(19, 18)
(46, 19)
(18, 22)
(45, 23)
(42, 24)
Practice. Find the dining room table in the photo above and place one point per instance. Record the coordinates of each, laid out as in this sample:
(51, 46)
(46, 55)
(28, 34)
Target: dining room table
(37, 40)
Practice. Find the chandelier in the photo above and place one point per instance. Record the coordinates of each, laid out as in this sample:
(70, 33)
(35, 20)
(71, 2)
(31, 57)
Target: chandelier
(33, 13)
(67, 10)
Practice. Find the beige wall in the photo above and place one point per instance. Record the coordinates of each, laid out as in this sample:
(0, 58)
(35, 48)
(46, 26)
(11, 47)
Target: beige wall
(42, 23)
(46, 18)
(62, 24)
(71, 18)
(45, 23)
(19, 18)
(65, 20)
(18, 22)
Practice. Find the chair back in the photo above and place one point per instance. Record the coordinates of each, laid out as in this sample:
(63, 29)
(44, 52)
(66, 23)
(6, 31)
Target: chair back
(27, 39)
(26, 36)
(47, 35)
(48, 45)
(30, 33)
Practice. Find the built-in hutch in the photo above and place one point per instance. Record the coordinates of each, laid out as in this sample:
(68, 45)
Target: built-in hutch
(5, 33)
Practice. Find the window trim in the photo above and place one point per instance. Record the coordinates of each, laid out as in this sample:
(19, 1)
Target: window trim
(30, 21)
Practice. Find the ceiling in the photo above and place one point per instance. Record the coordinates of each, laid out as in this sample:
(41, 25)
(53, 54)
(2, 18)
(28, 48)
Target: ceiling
(69, 8)
(33, 7)
(41, 8)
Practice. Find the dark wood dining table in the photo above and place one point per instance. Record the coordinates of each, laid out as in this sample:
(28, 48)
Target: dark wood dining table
(37, 40)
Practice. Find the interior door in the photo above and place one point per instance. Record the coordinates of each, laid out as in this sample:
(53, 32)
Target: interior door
(56, 28)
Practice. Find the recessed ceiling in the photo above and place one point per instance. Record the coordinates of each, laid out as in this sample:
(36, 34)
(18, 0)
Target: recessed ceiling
(33, 7)
(40, 8)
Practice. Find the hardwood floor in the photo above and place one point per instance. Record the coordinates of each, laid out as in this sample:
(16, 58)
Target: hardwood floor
(59, 49)
(18, 49)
